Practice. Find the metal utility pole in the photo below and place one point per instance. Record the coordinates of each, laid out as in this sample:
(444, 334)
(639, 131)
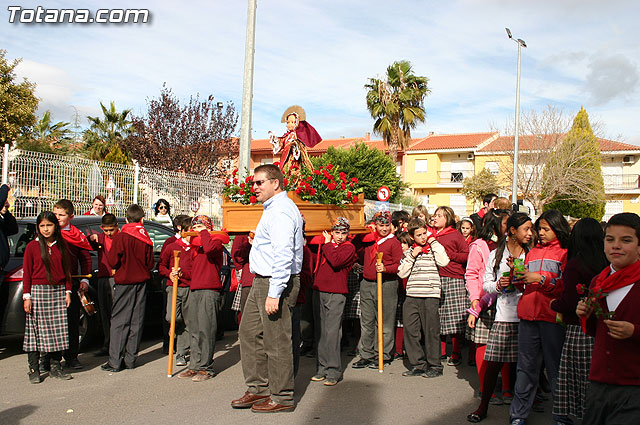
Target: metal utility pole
(244, 158)
(516, 145)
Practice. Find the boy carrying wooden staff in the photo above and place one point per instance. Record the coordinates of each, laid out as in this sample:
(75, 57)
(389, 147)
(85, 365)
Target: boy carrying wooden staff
(382, 240)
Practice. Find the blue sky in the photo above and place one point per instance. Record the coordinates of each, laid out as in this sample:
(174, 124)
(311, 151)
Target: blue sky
(320, 54)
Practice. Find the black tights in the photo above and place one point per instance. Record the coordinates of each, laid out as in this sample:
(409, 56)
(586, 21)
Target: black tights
(489, 383)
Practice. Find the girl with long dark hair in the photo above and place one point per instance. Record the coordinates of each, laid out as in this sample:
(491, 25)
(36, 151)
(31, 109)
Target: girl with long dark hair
(502, 344)
(585, 259)
(494, 225)
(539, 335)
(46, 291)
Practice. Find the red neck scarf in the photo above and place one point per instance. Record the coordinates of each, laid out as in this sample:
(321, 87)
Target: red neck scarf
(75, 237)
(109, 240)
(425, 249)
(607, 282)
(379, 240)
(444, 231)
(137, 231)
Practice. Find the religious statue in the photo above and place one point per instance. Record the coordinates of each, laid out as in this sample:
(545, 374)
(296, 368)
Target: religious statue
(293, 144)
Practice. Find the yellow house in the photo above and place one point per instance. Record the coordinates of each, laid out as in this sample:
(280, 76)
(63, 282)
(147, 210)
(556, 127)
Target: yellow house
(436, 165)
(620, 169)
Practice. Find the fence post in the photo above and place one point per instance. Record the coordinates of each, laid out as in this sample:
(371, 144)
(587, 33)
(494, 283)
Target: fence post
(136, 180)
(5, 164)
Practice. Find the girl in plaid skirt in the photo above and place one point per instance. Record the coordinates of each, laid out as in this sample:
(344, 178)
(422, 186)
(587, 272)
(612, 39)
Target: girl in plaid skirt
(454, 300)
(585, 259)
(494, 226)
(502, 345)
(46, 291)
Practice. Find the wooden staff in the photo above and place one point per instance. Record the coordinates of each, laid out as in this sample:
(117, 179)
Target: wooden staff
(380, 348)
(174, 301)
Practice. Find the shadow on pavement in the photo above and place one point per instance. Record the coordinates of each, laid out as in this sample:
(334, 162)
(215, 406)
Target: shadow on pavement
(14, 415)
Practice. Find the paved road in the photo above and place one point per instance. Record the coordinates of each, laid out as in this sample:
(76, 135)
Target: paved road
(145, 395)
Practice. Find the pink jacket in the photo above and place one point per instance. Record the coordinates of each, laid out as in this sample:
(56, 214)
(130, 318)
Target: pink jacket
(476, 263)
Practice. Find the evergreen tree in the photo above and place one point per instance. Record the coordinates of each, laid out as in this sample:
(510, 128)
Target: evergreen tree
(370, 166)
(584, 199)
(18, 102)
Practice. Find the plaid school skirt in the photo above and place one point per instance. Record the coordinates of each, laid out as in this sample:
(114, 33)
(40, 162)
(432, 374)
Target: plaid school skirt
(502, 345)
(352, 306)
(46, 328)
(573, 375)
(480, 334)
(454, 302)
(235, 304)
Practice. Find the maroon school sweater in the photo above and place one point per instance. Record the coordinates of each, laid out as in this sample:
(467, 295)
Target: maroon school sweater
(205, 270)
(240, 251)
(458, 251)
(617, 361)
(34, 271)
(104, 269)
(132, 259)
(392, 250)
(335, 264)
(80, 256)
(186, 263)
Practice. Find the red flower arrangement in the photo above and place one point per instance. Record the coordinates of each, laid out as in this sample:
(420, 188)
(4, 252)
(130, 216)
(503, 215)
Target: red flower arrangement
(591, 299)
(323, 186)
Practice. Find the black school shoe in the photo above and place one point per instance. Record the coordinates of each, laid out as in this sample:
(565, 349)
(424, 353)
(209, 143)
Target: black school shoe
(374, 363)
(414, 372)
(108, 368)
(432, 373)
(361, 364)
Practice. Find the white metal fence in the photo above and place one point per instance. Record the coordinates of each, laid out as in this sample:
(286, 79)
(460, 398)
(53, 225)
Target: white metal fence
(38, 180)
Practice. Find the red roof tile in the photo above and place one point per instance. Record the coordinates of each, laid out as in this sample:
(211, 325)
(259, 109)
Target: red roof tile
(450, 141)
(528, 142)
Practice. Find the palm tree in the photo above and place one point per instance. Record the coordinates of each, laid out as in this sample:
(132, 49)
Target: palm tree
(397, 104)
(107, 133)
(46, 136)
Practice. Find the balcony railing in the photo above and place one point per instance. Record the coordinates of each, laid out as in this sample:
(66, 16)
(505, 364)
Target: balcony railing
(452, 177)
(621, 182)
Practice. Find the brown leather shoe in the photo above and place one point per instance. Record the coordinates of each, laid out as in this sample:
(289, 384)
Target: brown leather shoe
(188, 374)
(270, 406)
(202, 375)
(247, 400)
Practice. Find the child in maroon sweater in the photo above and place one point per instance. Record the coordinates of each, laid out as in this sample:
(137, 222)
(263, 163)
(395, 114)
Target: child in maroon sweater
(78, 248)
(46, 291)
(131, 255)
(167, 269)
(382, 240)
(614, 389)
(454, 300)
(102, 243)
(337, 255)
(205, 298)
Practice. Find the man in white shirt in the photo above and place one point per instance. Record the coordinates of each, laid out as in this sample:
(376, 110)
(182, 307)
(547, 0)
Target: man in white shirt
(265, 329)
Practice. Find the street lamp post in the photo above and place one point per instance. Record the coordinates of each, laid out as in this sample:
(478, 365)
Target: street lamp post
(516, 146)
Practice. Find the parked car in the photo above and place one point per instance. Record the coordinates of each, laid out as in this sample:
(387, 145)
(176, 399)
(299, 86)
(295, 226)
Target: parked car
(12, 314)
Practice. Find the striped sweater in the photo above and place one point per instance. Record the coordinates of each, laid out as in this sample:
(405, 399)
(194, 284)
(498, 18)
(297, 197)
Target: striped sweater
(422, 271)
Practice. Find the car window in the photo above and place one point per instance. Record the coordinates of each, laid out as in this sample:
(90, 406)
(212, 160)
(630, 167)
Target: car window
(158, 235)
(18, 242)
